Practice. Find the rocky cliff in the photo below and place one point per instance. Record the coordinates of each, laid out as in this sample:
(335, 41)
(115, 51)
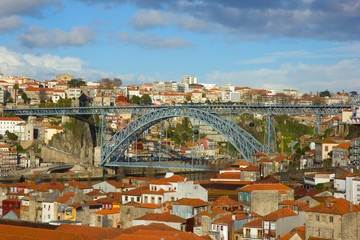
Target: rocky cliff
(75, 144)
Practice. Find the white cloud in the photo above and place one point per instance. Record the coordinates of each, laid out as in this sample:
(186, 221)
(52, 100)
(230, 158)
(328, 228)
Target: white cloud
(145, 19)
(10, 23)
(153, 41)
(25, 7)
(42, 67)
(343, 75)
(44, 38)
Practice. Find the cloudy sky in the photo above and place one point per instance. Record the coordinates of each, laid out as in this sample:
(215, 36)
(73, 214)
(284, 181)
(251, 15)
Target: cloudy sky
(311, 45)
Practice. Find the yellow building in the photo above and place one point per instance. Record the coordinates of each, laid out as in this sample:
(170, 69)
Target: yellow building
(64, 77)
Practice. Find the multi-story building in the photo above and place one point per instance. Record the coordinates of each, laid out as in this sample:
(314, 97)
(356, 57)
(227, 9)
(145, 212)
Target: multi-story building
(333, 219)
(264, 198)
(8, 157)
(73, 92)
(9, 124)
(24, 131)
(340, 154)
(189, 79)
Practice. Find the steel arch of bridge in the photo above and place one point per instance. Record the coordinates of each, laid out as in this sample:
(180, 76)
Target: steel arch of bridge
(116, 146)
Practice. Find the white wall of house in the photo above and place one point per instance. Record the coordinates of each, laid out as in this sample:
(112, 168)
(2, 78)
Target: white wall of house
(104, 186)
(353, 190)
(187, 190)
(222, 229)
(48, 212)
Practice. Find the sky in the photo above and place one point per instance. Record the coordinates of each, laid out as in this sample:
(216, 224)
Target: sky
(309, 45)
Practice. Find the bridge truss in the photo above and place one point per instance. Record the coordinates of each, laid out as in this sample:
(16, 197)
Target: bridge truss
(209, 114)
(115, 147)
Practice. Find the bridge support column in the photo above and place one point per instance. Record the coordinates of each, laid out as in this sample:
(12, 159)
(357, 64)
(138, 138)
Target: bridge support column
(270, 134)
(317, 123)
(97, 154)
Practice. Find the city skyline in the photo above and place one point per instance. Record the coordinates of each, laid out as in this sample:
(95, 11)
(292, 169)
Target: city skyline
(306, 45)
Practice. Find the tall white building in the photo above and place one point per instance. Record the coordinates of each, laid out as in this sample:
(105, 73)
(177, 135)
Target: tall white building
(189, 79)
(9, 124)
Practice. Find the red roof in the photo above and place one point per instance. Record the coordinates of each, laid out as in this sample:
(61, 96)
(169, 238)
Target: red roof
(257, 223)
(194, 202)
(284, 212)
(79, 185)
(224, 201)
(344, 145)
(337, 206)
(264, 187)
(66, 197)
(108, 211)
(161, 217)
(11, 119)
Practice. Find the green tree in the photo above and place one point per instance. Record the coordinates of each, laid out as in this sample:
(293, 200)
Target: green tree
(135, 100)
(146, 99)
(11, 136)
(325, 93)
(77, 82)
(25, 97)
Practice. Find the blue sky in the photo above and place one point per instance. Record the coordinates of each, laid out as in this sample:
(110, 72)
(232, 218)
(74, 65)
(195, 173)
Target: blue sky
(310, 45)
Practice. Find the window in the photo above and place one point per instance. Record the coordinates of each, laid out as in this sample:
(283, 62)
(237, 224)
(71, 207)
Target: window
(266, 225)
(99, 218)
(331, 219)
(145, 199)
(159, 200)
(259, 233)
(332, 234)
(317, 217)
(326, 148)
(126, 198)
(222, 228)
(272, 227)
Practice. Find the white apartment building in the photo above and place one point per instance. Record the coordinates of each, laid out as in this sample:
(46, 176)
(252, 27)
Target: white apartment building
(24, 131)
(73, 92)
(9, 124)
(189, 79)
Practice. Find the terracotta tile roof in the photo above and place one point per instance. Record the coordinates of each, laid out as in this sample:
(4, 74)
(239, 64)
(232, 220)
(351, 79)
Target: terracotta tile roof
(149, 205)
(97, 233)
(119, 184)
(108, 211)
(227, 175)
(250, 169)
(158, 192)
(161, 217)
(280, 158)
(158, 182)
(66, 197)
(194, 202)
(347, 175)
(300, 231)
(268, 179)
(228, 218)
(344, 145)
(257, 223)
(259, 154)
(151, 226)
(79, 185)
(174, 179)
(224, 201)
(214, 212)
(19, 232)
(264, 160)
(11, 119)
(338, 206)
(284, 212)
(158, 235)
(254, 214)
(264, 187)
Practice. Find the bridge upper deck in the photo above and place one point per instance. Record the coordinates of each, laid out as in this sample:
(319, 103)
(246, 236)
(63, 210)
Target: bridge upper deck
(219, 109)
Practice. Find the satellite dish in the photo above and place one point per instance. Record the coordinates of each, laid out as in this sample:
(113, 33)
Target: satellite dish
(251, 124)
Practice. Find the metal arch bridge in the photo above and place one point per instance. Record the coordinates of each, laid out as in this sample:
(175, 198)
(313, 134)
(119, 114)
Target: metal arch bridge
(211, 110)
(116, 146)
(219, 109)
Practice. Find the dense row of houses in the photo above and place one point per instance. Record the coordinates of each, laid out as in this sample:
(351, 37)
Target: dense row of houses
(257, 208)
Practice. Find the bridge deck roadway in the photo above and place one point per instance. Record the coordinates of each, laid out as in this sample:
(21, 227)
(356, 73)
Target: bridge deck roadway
(219, 109)
(158, 165)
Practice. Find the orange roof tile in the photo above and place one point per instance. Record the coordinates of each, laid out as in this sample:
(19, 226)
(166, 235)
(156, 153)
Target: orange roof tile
(119, 184)
(66, 197)
(194, 202)
(161, 217)
(257, 223)
(284, 212)
(108, 211)
(265, 187)
(338, 206)
(224, 201)
(79, 185)
(344, 145)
